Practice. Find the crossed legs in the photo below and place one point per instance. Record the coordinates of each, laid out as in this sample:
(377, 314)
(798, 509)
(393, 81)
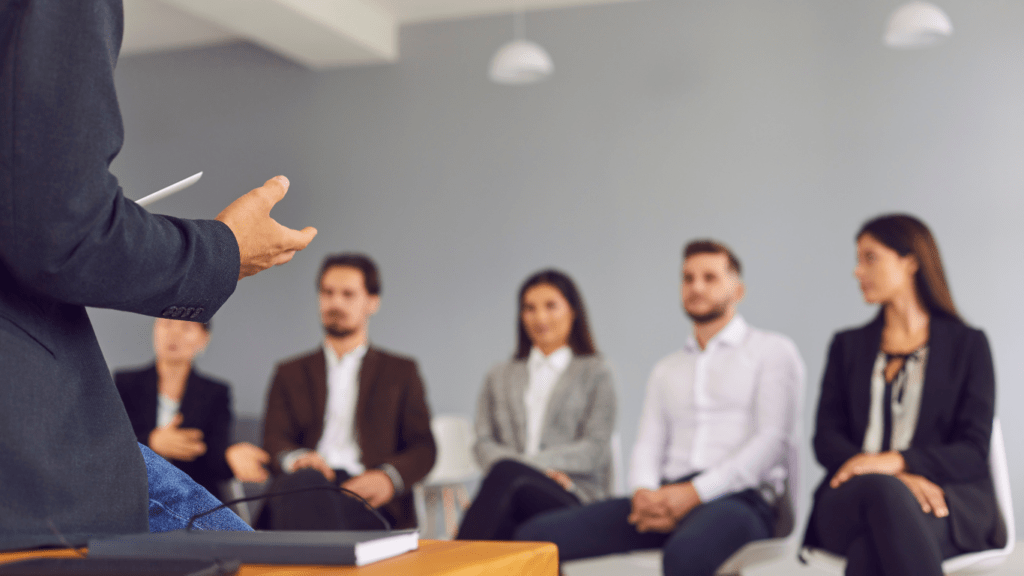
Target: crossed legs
(875, 521)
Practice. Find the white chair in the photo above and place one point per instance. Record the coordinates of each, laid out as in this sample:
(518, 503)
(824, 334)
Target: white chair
(782, 543)
(972, 562)
(446, 482)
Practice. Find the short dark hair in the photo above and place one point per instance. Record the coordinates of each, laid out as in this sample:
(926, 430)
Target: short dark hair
(580, 340)
(361, 262)
(906, 234)
(708, 246)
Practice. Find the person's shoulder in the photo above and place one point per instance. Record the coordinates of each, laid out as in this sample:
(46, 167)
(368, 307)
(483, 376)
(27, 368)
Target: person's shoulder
(593, 364)
(670, 361)
(301, 359)
(127, 378)
(771, 341)
(391, 358)
(211, 382)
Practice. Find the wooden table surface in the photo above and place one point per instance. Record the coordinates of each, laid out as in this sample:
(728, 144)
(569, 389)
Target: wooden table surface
(434, 558)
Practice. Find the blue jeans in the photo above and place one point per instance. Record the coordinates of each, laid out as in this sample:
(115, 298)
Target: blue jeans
(174, 498)
(703, 540)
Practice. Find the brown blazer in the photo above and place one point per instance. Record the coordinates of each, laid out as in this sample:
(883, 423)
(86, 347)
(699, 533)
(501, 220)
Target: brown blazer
(392, 420)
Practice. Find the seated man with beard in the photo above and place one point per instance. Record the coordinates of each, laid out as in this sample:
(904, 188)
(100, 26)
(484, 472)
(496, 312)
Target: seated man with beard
(346, 414)
(718, 421)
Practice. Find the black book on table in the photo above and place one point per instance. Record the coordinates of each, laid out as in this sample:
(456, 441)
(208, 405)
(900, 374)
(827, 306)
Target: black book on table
(350, 548)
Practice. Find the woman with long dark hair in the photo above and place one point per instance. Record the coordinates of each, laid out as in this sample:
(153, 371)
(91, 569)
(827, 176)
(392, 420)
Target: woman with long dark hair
(904, 418)
(544, 418)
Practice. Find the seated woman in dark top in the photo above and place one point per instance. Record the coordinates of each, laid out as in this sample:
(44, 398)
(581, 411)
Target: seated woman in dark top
(904, 418)
(544, 418)
(185, 416)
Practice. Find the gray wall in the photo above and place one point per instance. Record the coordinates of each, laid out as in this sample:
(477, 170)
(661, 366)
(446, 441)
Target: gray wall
(777, 126)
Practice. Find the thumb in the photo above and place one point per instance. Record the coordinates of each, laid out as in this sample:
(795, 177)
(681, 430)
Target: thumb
(298, 239)
(273, 190)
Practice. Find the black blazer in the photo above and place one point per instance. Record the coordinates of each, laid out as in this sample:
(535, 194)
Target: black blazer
(206, 405)
(69, 239)
(951, 442)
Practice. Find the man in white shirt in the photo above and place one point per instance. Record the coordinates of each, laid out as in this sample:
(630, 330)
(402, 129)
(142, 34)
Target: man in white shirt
(348, 414)
(718, 421)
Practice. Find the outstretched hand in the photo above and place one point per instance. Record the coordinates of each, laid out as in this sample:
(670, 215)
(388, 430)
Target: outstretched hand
(248, 462)
(262, 242)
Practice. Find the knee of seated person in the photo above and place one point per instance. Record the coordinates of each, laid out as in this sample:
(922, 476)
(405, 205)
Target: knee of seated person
(503, 471)
(304, 477)
(878, 487)
(536, 530)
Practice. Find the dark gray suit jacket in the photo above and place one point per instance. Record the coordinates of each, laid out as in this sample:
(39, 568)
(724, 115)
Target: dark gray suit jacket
(69, 239)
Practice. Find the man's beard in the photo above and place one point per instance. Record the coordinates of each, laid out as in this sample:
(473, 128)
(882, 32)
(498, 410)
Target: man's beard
(710, 316)
(335, 332)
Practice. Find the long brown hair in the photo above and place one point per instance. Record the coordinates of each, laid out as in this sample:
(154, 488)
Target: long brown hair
(580, 340)
(907, 235)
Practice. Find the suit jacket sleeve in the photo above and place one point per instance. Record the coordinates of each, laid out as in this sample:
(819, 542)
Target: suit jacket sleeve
(585, 454)
(489, 446)
(281, 430)
(66, 230)
(417, 450)
(833, 433)
(963, 457)
(217, 433)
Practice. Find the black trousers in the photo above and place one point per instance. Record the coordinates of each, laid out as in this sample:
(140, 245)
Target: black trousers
(875, 521)
(324, 509)
(511, 494)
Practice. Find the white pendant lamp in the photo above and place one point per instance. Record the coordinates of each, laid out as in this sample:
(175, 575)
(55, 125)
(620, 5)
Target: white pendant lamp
(917, 25)
(520, 61)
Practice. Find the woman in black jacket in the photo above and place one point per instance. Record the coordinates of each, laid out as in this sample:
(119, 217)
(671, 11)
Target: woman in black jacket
(904, 418)
(185, 416)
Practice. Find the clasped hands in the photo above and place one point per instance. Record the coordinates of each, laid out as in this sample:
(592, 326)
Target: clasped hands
(661, 510)
(928, 494)
(373, 485)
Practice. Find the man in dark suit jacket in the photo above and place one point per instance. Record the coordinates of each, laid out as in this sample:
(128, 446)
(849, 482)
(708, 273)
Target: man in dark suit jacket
(347, 414)
(70, 467)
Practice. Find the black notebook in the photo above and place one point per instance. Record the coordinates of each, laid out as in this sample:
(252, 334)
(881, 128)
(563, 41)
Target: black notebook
(278, 547)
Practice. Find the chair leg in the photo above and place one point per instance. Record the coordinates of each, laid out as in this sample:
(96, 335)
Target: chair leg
(463, 497)
(450, 514)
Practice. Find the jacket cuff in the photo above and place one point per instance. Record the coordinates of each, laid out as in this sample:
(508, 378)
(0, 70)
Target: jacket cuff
(287, 459)
(396, 478)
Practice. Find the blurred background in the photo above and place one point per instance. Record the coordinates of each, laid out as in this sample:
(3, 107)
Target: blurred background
(776, 126)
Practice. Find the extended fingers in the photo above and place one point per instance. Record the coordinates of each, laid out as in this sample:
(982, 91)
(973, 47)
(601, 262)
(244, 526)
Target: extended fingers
(936, 499)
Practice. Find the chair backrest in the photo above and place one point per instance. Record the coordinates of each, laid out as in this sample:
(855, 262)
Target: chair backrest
(1001, 482)
(785, 508)
(247, 428)
(619, 488)
(454, 437)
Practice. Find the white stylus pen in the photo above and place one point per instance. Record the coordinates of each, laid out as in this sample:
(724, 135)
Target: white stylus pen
(165, 192)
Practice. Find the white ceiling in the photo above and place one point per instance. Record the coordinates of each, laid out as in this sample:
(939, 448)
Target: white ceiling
(315, 33)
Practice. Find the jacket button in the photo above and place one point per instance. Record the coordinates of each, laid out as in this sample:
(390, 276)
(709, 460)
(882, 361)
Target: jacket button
(199, 312)
(188, 313)
(169, 312)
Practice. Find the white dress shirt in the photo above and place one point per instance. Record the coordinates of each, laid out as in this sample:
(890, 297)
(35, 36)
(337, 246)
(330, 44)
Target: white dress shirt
(544, 373)
(338, 443)
(729, 412)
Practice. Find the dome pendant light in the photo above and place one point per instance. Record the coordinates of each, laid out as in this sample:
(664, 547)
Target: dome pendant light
(520, 61)
(917, 25)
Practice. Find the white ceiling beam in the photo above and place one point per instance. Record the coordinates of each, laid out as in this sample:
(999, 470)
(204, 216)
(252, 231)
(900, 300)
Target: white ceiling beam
(315, 33)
